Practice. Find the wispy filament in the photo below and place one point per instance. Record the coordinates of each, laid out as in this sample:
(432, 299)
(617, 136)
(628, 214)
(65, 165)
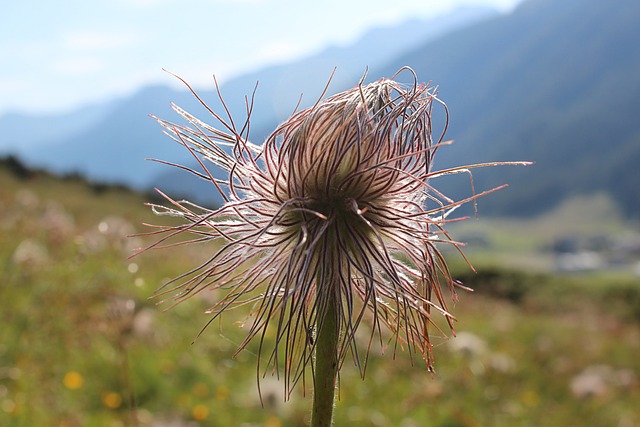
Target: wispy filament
(337, 201)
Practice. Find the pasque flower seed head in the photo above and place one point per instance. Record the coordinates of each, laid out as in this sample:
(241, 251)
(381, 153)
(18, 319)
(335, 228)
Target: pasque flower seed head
(337, 203)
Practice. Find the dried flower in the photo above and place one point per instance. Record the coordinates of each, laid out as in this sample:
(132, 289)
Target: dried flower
(335, 205)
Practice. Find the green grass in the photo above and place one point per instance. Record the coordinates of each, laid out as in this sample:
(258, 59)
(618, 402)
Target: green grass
(82, 345)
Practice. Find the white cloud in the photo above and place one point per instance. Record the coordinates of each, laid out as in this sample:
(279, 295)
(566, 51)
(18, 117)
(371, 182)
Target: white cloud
(279, 50)
(85, 40)
(241, 2)
(143, 3)
(19, 50)
(12, 86)
(78, 66)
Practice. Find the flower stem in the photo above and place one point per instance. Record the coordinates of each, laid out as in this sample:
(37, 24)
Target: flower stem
(326, 365)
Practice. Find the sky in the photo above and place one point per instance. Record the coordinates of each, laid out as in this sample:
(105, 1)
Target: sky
(56, 56)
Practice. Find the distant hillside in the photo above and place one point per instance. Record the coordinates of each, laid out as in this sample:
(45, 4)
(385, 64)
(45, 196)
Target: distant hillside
(21, 134)
(115, 148)
(556, 82)
(112, 145)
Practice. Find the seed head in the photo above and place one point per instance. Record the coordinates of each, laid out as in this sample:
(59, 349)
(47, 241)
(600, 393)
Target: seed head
(336, 202)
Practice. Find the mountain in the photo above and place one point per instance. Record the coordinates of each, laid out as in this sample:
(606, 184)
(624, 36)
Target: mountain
(22, 133)
(114, 148)
(555, 82)
(110, 143)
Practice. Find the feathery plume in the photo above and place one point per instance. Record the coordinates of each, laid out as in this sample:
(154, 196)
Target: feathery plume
(336, 207)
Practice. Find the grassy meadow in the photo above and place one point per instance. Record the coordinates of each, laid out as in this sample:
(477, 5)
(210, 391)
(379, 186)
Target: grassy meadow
(81, 343)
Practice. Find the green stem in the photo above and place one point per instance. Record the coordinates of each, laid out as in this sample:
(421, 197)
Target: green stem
(326, 365)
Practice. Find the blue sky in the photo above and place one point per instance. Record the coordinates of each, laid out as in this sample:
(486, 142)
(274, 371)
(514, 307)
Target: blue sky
(59, 55)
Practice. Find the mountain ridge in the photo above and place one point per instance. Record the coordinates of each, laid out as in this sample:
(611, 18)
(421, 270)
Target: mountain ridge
(553, 82)
(114, 146)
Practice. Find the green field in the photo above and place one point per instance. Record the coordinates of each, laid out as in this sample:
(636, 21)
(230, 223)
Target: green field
(81, 344)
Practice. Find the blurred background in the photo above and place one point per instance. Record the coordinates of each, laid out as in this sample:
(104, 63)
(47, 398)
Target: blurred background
(549, 337)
